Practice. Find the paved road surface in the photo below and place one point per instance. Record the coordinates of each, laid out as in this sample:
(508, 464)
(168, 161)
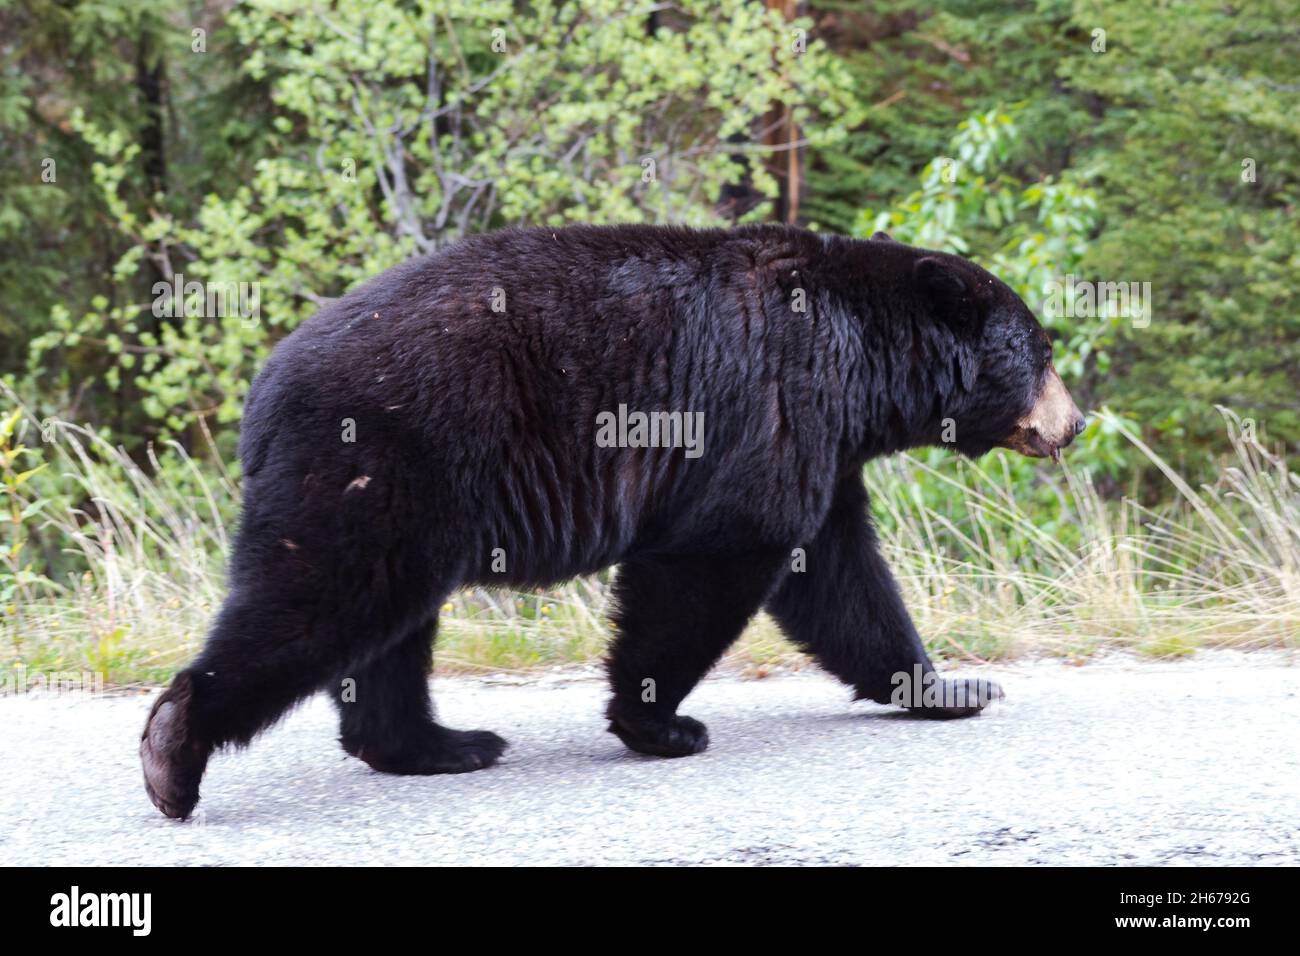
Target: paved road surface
(1120, 762)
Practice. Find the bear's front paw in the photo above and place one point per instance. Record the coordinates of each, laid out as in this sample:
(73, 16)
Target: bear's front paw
(675, 737)
(950, 699)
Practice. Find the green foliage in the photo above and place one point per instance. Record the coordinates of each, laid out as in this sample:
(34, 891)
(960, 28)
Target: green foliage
(1199, 97)
(399, 127)
(298, 149)
(1032, 234)
(302, 151)
(1028, 235)
(921, 67)
(1165, 110)
(19, 580)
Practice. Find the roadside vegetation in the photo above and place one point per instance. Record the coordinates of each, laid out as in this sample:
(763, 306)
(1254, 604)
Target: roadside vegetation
(284, 152)
(987, 573)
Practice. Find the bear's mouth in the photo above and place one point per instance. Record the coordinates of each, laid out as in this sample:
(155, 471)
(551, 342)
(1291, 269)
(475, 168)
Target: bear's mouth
(1031, 443)
(1052, 413)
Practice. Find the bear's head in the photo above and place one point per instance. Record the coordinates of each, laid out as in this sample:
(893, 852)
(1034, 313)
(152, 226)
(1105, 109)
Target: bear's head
(1005, 391)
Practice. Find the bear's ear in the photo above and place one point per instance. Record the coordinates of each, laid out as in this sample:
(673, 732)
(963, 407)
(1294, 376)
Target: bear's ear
(947, 290)
(881, 237)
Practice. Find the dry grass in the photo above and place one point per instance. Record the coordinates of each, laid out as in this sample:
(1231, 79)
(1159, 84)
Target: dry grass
(1219, 566)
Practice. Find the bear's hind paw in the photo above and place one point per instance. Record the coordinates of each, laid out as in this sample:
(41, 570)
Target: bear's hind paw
(439, 750)
(172, 758)
(676, 737)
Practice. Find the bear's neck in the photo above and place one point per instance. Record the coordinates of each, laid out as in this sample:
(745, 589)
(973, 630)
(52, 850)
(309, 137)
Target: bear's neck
(902, 377)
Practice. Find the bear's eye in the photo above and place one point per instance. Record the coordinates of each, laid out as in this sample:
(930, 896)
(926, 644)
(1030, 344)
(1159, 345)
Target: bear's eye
(1045, 346)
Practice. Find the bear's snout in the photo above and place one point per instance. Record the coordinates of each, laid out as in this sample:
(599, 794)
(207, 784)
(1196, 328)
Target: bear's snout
(1051, 424)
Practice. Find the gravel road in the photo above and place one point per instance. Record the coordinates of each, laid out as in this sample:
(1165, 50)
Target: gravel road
(1117, 762)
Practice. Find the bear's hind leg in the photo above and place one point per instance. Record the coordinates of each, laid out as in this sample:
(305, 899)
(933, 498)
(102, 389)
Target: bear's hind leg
(264, 655)
(387, 718)
(675, 617)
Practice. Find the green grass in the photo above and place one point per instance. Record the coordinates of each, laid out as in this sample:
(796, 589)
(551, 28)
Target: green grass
(987, 575)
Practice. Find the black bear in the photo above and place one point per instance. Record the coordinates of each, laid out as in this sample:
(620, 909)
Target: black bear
(535, 404)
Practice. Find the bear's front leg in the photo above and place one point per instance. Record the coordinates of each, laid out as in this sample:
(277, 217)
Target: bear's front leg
(386, 714)
(675, 616)
(844, 608)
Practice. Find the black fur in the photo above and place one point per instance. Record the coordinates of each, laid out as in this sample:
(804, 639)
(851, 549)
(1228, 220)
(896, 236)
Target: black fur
(475, 431)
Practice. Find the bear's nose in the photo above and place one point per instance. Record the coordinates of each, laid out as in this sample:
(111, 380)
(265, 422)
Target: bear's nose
(1080, 423)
